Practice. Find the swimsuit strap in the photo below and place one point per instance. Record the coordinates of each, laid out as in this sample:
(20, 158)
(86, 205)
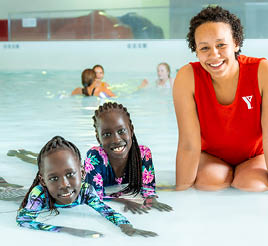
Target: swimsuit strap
(92, 93)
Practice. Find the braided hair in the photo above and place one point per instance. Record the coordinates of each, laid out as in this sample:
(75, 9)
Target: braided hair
(134, 162)
(55, 144)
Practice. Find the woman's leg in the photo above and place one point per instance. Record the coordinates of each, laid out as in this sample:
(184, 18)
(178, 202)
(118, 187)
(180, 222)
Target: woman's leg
(213, 173)
(251, 175)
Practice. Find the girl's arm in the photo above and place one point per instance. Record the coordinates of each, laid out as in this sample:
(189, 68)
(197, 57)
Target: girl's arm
(92, 167)
(36, 204)
(148, 174)
(94, 201)
(27, 216)
(111, 215)
(189, 144)
(148, 182)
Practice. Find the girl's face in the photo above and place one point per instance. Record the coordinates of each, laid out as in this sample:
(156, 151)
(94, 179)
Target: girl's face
(99, 73)
(162, 72)
(114, 133)
(215, 48)
(61, 174)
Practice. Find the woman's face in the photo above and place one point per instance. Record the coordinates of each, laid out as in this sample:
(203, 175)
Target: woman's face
(162, 72)
(215, 48)
(99, 73)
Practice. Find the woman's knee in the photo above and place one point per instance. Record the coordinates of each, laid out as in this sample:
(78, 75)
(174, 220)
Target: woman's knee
(251, 175)
(255, 181)
(214, 177)
(212, 185)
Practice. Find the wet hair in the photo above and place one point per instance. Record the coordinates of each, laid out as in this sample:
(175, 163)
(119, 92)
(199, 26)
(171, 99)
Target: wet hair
(88, 76)
(134, 162)
(55, 144)
(166, 66)
(98, 65)
(216, 14)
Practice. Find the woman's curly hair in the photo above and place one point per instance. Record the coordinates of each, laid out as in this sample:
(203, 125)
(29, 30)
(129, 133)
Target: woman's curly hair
(216, 14)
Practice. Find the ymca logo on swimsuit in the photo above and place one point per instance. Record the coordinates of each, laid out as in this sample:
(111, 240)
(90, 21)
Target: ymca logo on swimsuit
(247, 100)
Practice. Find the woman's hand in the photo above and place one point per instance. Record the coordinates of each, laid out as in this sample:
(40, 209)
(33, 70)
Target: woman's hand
(131, 231)
(81, 232)
(153, 203)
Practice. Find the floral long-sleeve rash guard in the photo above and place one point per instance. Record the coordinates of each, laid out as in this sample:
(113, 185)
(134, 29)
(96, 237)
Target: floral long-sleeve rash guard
(100, 174)
(38, 202)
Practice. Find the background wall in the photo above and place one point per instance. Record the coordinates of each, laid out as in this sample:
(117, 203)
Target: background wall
(116, 56)
(11, 6)
(157, 11)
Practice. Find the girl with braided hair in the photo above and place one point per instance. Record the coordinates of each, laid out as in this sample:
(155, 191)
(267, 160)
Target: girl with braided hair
(119, 160)
(58, 184)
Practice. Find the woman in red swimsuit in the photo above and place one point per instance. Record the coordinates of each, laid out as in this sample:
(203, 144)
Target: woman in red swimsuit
(221, 104)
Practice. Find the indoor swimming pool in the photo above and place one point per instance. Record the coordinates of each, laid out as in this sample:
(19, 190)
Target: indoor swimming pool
(36, 105)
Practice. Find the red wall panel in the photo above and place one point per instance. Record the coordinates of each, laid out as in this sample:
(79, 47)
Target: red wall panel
(3, 30)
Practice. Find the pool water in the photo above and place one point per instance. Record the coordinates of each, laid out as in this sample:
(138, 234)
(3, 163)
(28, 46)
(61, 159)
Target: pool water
(36, 105)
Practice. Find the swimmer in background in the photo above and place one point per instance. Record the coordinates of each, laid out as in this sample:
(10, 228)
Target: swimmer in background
(164, 80)
(99, 70)
(92, 87)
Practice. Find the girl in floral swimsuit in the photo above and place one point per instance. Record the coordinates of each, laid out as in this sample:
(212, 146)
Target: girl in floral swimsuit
(58, 185)
(120, 160)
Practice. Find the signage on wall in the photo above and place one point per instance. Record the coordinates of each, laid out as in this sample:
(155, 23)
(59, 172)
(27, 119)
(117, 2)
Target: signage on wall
(137, 45)
(29, 22)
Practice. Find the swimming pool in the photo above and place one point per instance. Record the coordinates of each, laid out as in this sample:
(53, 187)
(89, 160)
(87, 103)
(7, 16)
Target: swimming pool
(35, 105)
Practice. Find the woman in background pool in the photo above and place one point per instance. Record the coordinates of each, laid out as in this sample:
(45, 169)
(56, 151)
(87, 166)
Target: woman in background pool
(92, 86)
(99, 70)
(221, 104)
(164, 80)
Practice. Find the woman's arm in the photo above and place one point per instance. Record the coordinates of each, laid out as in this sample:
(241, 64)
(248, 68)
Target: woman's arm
(104, 89)
(77, 91)
(189, 141)
(263, 85)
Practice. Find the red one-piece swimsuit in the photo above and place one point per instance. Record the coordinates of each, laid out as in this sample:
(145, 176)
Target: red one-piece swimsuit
(231, 132)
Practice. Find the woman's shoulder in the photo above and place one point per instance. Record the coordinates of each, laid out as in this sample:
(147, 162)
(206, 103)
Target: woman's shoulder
(77, 91)
(184, 79)
(187, 68)
(242, 59)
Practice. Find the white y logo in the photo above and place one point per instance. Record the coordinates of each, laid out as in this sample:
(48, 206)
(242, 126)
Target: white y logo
(248, 101)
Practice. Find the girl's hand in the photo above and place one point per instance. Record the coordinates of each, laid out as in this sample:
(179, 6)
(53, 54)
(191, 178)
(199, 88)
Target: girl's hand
(153, 203)
(130, 231)
(135, 207)
(81, 232)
